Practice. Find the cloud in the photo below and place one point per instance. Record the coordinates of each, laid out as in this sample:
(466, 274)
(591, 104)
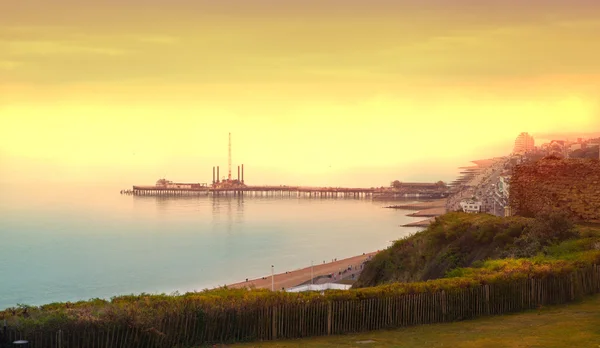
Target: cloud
(10, 64)
(43, 48)
(158, 39)
(397, 42)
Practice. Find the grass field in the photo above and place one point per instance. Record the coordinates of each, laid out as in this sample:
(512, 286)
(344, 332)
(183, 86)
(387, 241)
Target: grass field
(574, 325)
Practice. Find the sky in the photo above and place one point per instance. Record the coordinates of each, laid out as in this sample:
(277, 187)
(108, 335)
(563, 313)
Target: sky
(329, 92)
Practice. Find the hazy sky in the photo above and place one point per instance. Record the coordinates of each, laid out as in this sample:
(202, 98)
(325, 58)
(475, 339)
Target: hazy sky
(315, 92)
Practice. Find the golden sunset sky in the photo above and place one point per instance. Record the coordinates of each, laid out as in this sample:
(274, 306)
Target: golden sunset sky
(329, 92)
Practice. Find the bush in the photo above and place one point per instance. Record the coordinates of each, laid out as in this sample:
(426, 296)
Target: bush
(553, 226)
(527, 245)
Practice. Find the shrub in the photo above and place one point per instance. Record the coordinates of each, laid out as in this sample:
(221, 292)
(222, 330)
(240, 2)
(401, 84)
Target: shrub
(553, 225)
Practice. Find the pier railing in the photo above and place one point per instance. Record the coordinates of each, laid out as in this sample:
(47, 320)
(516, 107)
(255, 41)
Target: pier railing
(319, 316)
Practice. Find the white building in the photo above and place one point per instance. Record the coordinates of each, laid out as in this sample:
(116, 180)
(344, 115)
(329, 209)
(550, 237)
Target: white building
(471, 206)
(524, 143)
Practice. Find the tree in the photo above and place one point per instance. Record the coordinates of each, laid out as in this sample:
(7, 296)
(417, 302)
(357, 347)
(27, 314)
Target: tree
(396, 184)
(590, 152)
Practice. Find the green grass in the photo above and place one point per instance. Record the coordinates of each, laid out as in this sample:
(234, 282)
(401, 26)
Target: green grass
(572, 325)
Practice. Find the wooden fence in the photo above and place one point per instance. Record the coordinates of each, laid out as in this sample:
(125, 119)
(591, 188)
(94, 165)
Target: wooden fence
(297, 320)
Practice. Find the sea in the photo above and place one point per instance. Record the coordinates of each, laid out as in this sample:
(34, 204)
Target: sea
(75, 242)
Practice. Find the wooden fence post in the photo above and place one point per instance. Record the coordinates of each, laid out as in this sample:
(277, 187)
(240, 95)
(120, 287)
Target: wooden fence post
(531, 293)
(443, 302)
(329, 310)
(274, 322)
(487, 298)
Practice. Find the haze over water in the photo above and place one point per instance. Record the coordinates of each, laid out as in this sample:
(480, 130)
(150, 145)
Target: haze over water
(68, 244)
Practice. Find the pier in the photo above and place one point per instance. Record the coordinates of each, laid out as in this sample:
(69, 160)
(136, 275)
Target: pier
(280, 191)
(259, 191)
(229, 186)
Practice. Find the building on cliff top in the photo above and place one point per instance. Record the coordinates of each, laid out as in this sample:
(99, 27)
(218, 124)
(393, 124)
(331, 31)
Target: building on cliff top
(524, 143)
(471, 206)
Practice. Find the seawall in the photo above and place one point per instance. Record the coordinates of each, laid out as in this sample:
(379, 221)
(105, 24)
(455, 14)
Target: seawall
(571, 185)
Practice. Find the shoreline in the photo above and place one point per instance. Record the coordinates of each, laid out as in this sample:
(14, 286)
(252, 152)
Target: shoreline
(432, 212)
(432, 204)
(294, 278)
(420, 223)
(429, 210)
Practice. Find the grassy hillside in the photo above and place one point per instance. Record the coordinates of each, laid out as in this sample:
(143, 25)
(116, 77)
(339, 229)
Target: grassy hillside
(457, 241)
(573, 325)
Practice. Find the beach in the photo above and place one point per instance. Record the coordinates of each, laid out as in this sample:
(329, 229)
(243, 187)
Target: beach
(290, 279)
(421, 223)
(429, 210)
(438, 203)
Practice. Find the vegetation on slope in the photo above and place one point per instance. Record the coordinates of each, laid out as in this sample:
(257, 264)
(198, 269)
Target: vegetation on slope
(457, 240)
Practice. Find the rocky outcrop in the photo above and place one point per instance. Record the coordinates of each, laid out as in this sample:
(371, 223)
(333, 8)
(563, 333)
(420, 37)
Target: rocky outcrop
(571, 185)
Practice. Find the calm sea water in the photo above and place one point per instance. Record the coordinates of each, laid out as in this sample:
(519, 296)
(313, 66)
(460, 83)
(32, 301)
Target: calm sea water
(83, 241)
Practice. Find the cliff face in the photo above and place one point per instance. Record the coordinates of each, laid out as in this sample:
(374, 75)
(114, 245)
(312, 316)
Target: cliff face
(571, 185)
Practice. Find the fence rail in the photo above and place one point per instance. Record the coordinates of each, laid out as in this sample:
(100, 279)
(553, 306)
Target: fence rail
(297, 320)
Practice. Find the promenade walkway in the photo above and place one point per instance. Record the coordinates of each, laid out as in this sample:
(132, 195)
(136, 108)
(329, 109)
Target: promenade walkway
(293, 278)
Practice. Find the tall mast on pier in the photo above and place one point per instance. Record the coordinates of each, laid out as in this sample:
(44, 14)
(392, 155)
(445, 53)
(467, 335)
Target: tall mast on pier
(229, 175)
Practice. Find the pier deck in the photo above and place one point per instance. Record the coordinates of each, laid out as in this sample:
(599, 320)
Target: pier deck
(299, 191)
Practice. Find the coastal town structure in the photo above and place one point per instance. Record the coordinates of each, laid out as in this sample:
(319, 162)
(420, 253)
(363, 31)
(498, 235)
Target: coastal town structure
(524, 143)
(490, 181)
(471, 206)
(569, 185)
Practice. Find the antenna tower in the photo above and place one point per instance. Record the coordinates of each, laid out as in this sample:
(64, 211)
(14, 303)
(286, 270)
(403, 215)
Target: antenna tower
(229, 175)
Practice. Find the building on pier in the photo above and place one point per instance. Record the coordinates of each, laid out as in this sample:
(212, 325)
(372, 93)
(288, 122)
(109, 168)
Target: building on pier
(229, 183)
(165, 184)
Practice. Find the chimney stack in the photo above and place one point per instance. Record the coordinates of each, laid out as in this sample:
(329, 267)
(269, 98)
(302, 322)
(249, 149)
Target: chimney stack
(213, 174)
(238, 173)
(218, 179)
(242, 173)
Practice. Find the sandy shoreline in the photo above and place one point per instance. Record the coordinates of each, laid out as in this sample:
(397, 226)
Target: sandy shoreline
(293, 278)
(438, 203)
(431, 212)
(421, 223)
